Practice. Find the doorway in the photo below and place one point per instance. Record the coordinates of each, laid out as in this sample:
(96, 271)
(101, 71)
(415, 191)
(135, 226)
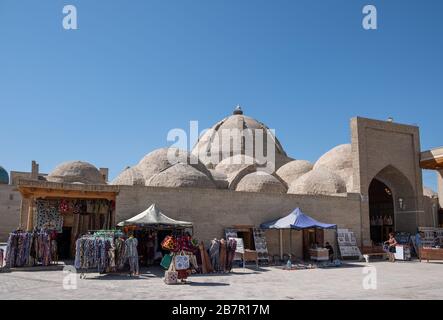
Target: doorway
(381, 211)
(64, 244)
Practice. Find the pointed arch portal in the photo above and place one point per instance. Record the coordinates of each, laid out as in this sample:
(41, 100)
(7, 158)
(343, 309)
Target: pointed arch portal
(392, 204)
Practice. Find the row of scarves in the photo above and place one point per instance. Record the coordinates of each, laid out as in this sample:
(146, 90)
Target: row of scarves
(30, 249)
(219, 257)
(101, 253)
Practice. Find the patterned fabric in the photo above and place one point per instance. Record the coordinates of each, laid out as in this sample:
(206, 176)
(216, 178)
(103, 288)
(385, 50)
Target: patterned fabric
(181, 262)
(230, 250)
(260, 245)
(214, 253)
(94, 252)
(169, 243)
(131, 247)
(28, 248)
(171, 277)
(64, 207)
(48, 216)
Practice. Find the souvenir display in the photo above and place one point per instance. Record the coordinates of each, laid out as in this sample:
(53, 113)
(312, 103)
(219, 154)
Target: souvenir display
(181, 262)
(260, 245)
(104, 251)
(29, 249)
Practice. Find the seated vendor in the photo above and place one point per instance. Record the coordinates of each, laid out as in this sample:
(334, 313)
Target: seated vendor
(331, 251)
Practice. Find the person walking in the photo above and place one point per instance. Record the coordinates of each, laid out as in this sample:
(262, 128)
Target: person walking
(391, 244)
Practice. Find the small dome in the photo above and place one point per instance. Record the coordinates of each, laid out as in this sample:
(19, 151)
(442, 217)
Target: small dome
(339, 160)
(428, 192)
(129, 177)
(76, 172)
(161, 159)
(181, 175)
(260, 182)
(294, 170)
(318, 181)
(4, 177)
(220, 179)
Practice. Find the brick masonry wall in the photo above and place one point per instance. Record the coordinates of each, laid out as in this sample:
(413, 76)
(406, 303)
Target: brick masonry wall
(10, 203)
(212, 211)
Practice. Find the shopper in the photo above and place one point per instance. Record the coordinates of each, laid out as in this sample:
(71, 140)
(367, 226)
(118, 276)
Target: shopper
(391, 243)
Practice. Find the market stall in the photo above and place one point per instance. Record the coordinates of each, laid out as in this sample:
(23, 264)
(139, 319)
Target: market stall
(66, 211)
(430, 243)
(150, 228)
(297, 220)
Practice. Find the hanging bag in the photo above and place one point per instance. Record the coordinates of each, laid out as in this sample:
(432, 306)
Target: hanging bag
(166, 261)
(171, 277)
(168, 243)
(181, 262)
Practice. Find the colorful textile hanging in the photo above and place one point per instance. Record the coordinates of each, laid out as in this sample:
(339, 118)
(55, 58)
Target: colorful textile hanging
(48, 216)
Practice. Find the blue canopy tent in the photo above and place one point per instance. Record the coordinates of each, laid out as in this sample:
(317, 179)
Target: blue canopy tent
(296, 220)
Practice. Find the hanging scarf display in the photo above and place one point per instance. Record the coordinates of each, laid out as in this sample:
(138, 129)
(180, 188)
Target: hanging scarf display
(214, 253)
(230, 250)
(64, 207)
(223, 255)
(104, 251)
(28, 249)
(48, 216)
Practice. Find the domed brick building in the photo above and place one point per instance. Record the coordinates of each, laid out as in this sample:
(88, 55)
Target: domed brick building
(239, 174)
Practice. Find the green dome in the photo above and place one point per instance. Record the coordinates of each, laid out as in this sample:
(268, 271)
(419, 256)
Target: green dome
(4, 177)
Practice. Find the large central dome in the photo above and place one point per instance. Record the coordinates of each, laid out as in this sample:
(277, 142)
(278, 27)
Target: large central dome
(239, 135)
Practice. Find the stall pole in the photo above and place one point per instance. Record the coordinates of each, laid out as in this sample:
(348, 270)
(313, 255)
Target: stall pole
(290, 243)
(30, 221)
(281, 244)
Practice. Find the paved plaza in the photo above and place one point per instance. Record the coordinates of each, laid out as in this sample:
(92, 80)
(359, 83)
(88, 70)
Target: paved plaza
(401, 280)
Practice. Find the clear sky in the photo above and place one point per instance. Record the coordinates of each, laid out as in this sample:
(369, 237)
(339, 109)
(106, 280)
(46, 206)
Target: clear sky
(109, 92)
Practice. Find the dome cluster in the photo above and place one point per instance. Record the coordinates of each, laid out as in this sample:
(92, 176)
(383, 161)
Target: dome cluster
(168, 167)
(222, 160)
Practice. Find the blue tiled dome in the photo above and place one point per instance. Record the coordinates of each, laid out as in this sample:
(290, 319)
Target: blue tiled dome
(4, 177)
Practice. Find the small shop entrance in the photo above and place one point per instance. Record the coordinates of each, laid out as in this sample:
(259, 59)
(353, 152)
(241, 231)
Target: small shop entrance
(381, 211)
(312, 238)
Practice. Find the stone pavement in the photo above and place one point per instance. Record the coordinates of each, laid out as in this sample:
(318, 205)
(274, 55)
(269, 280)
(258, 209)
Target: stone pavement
(400, 280)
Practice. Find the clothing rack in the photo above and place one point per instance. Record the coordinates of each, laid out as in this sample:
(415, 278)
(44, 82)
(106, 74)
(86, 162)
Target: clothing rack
(99, 251)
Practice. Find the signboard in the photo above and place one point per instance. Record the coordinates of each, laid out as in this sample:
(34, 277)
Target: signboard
(240, 245)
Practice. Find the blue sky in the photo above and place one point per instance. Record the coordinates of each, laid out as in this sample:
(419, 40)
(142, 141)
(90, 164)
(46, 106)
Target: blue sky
(109, 92)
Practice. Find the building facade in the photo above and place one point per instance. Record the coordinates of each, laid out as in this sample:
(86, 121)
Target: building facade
(372, 185)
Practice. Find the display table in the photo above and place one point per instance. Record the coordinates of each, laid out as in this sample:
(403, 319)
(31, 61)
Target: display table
(431, 254)
(320, 254)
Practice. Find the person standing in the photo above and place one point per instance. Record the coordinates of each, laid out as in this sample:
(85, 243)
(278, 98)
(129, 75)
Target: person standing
(391, 243)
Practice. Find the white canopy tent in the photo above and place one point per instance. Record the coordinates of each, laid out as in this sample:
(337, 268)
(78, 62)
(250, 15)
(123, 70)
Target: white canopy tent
(153, 217)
